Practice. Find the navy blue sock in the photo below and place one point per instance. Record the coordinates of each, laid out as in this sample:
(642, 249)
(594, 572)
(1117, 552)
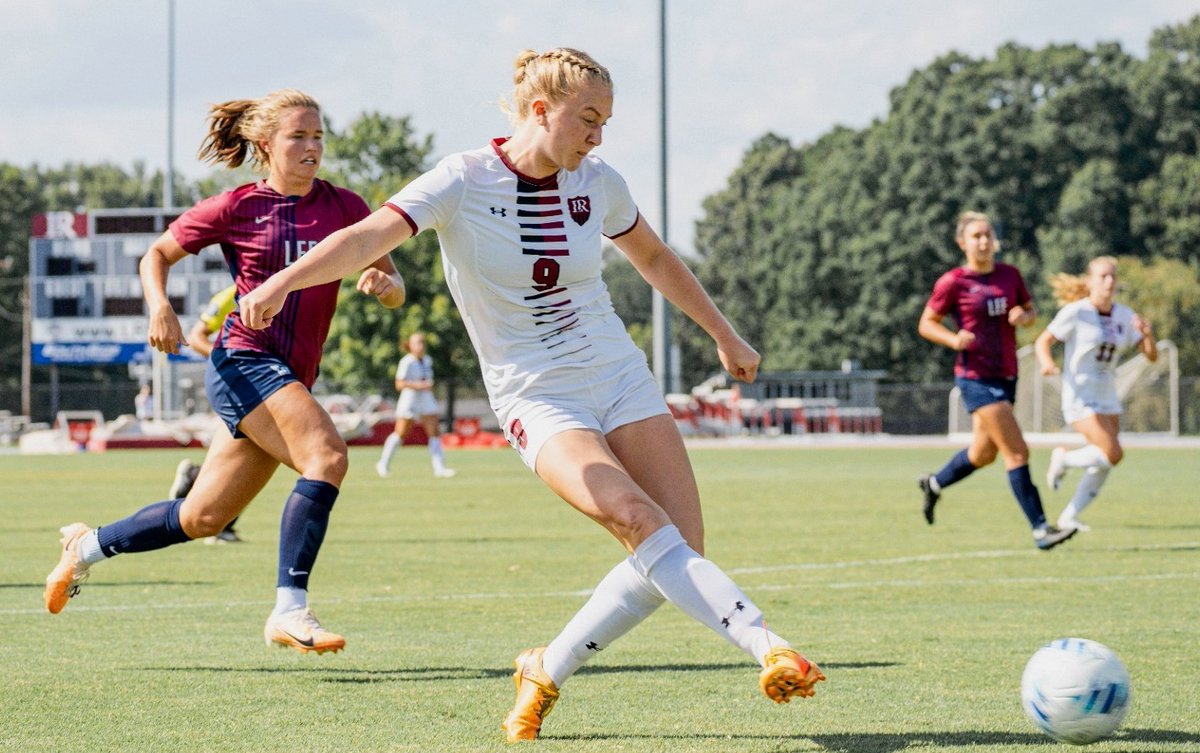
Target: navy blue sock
(153, 527)
(1027, 496)
(302, 529)
(956, 470)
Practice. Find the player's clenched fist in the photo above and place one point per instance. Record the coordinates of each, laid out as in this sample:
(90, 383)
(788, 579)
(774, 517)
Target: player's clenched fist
(258, 307)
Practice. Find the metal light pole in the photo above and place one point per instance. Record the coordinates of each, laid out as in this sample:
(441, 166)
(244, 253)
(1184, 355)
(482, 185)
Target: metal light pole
(168, 198)
(660, 310)
(162, 370)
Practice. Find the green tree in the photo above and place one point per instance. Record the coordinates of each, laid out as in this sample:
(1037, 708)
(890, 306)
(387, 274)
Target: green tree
(1167, 211)
(1167, 293)
(19, 202)
(828, 250)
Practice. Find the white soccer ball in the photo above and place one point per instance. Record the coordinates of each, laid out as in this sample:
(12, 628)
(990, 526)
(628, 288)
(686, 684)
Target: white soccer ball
(1075, 690)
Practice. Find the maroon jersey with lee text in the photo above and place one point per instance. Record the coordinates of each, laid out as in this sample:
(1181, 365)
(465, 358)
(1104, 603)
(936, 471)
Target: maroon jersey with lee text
(979, 303)
(261, 231)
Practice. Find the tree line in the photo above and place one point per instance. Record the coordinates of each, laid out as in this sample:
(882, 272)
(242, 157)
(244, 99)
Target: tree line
(828, 251)
(817, 252)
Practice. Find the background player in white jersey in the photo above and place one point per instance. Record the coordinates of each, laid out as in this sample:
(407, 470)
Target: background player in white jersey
(414, 382)
(1095, 329)
(520, 225)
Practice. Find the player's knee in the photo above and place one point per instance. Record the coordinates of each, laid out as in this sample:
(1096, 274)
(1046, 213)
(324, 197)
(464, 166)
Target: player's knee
(328, 462)
(1115, 454)
(633, 517)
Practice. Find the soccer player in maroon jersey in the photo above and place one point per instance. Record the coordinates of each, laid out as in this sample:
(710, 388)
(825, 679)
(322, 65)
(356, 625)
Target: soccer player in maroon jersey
(257, 381)
(988, 301)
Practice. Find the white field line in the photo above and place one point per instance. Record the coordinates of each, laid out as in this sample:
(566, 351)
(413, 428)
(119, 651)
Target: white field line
(796, 567)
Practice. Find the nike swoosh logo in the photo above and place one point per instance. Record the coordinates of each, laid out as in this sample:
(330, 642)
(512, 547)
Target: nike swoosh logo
(113, 549)
(261, 220)
(294, 573)
(303, 642)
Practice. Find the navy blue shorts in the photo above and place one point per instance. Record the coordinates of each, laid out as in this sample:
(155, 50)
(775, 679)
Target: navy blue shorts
(238, 381)
(977, 393)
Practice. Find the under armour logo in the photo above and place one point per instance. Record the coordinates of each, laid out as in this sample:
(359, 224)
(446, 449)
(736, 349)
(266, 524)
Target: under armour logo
(499, 211)
(737, 607)
(592, 646)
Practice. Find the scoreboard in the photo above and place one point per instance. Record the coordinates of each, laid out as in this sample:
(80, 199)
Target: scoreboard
(84, 290)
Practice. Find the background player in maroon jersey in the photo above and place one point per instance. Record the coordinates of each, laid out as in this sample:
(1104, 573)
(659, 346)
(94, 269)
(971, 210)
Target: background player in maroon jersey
(988, 301)
(257, 381)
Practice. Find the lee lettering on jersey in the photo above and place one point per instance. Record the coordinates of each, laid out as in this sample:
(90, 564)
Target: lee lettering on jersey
(293, 250)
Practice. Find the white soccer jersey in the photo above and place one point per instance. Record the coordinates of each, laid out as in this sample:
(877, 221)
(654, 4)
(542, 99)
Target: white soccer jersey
(413, 369)
(1094, 342)
(522, 260)
(415, 403)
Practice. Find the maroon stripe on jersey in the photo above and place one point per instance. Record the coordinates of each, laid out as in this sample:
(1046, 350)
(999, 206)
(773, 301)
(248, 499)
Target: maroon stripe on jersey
(543, 239)
(539, 213)
(412, 225)
(626, 230)
(565, 328)
(573, 352)
(537, 199)
(542, 225)
(536, 296)
(552, 309)
(546, 251)
(562, 318)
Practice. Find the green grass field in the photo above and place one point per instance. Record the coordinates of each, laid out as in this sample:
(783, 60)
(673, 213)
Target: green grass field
(923, 631)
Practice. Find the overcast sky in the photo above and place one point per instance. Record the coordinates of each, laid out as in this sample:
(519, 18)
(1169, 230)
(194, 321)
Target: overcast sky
(86, 80)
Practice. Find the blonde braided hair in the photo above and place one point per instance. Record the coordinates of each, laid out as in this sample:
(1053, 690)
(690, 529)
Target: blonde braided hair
(552, 75)
(236, 127)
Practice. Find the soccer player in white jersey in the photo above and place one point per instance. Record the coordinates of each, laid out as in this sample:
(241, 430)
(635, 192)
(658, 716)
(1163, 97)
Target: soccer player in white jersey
(414, 382)
(520, 224)
(1096, 329)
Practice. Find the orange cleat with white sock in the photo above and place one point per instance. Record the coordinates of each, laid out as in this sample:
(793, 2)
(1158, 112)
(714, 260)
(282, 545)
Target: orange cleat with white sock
(786, 673)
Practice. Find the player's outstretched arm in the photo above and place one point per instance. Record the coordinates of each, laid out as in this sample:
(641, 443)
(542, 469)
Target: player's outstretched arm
(341, 253)
(664, 270)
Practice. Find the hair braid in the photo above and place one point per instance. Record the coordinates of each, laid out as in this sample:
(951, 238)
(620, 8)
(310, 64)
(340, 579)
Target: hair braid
(552, 75)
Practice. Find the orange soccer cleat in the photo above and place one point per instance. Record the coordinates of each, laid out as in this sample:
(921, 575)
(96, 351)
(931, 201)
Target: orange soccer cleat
(536, 695)
(786, 673)
(65, 580)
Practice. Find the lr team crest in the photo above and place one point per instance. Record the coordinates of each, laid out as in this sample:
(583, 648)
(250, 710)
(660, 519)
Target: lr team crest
(581, 208)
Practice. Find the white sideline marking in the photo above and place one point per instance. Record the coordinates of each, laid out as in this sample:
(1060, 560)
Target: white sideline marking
(810, 566)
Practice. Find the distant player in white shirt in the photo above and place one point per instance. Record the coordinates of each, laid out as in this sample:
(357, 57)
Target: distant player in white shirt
(414, 382)
(1096, 329)
(520, 224)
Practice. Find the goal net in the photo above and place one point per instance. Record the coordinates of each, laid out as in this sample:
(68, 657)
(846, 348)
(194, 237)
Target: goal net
(1149, 393)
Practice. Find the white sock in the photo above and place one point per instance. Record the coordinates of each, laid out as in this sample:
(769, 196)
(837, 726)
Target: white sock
(89, 549)
(288, 598)
(436, 455)
(1088, 456)
(620, 601)
(1089, 487)
(389, 449)
(704, 592)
